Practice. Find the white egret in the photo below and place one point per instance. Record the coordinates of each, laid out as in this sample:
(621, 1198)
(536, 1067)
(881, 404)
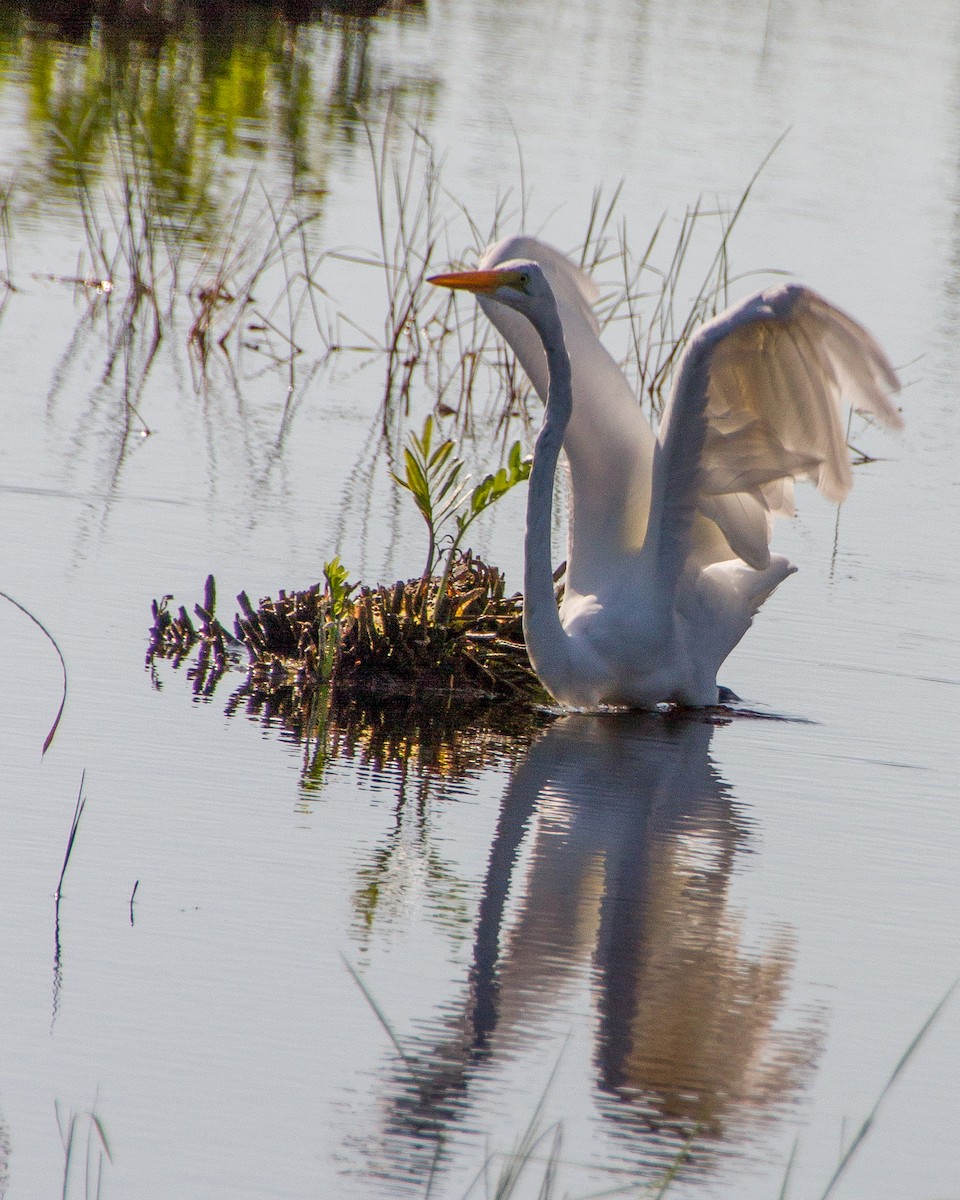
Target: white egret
(668, 556)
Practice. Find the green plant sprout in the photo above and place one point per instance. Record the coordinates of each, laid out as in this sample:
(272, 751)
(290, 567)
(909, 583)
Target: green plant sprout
(433, 478)
(338, 591)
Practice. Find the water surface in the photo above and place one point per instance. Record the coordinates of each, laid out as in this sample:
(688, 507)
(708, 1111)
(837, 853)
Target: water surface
(644, 934)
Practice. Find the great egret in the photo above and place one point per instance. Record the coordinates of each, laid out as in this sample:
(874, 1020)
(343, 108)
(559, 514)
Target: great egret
(668, 556)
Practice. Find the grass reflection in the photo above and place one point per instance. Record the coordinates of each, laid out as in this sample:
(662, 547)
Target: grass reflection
(185, 86)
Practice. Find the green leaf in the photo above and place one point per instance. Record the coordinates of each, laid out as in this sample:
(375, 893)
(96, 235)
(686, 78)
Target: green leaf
(441, 454)
(416, 476)
(432, 476)
(422, 443)
(450, 481)
(339, 590)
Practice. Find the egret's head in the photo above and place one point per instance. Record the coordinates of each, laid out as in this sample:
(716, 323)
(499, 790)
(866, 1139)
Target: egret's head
(520, 284)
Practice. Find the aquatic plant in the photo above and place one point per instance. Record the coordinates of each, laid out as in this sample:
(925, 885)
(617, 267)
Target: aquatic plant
(327, 647)
(355, 676)
(433, 478)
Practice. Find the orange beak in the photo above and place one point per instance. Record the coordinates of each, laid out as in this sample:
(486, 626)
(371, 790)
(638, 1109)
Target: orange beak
(473, 281)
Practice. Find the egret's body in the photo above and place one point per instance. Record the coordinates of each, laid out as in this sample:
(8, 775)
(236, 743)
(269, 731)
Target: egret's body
(668, 554)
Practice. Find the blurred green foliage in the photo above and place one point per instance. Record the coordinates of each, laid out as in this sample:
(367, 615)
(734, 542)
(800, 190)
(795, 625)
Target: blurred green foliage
(184, 94)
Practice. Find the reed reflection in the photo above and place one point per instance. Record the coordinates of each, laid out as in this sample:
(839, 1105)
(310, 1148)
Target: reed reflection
(628, 840)
(165, 96)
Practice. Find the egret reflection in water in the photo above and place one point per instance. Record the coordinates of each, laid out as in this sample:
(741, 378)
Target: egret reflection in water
(609, 875)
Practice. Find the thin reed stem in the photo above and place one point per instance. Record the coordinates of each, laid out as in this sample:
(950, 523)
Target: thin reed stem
(63, 667)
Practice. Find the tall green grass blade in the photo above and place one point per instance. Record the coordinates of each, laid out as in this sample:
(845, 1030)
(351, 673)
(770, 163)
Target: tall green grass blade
(867, 1124)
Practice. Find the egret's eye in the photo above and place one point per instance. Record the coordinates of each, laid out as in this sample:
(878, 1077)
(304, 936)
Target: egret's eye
(524, 279)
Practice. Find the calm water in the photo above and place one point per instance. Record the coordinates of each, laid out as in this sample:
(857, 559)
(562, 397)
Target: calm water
(627, 934)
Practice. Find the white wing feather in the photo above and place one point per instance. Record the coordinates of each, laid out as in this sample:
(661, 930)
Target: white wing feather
(758, 403)
(780, 364)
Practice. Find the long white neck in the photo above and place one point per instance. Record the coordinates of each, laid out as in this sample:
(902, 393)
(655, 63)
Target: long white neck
(547, 644)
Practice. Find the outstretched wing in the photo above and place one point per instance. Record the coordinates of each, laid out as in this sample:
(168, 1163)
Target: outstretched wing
(758, 402)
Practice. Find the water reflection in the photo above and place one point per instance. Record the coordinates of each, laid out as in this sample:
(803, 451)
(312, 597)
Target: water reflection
(167, 91)
(629, 839)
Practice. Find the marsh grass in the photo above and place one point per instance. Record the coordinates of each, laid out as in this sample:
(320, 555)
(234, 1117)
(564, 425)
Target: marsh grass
(862, 1131)
(72, 836)
(264, 252)
(260, 281)
(86, 1151)
(408, 223)
(48, 740)
(7, 287)
(141, 257)
(78, 809)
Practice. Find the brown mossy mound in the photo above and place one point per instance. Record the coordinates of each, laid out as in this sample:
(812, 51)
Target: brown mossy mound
(400, 644)
(397, 644)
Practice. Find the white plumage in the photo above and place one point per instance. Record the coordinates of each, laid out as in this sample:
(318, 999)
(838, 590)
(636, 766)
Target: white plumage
(668, 553)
